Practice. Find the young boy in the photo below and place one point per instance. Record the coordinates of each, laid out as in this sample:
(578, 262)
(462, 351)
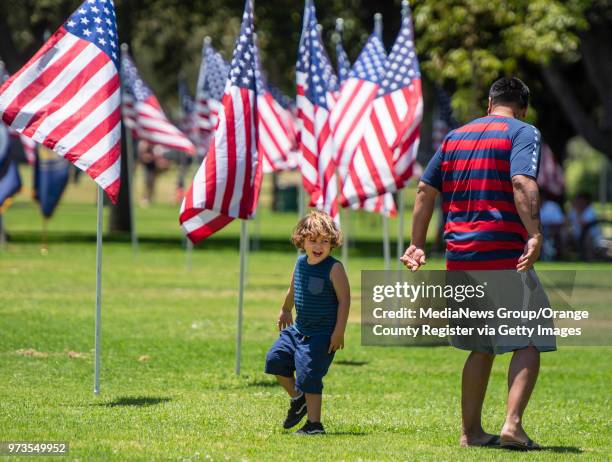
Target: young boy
(321, 294)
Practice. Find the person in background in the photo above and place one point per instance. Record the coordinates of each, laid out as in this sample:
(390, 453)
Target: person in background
(183, 163)
(151, 156)
(553, 226)
(585, 230)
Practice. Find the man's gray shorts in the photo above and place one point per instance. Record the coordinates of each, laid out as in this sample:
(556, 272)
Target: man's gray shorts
(508, 289)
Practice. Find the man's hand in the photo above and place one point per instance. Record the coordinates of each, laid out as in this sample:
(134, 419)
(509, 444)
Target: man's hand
(285, 319)
(413, 258)
(530, 254)
(336, 342)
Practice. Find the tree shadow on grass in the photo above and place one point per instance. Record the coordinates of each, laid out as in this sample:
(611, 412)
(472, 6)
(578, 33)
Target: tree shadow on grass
(350, 362)
(137, 401)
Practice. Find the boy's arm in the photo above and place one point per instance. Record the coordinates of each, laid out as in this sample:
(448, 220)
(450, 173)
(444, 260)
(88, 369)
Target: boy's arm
(285, 318)
(343, 293)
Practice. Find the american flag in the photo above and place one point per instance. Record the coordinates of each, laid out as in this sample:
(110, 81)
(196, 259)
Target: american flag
(316, 84)
(342, 61)
(143, 113)
(352, 110)
(277, 140)
(384, 158)
(281, 97)
(68, 96)
(214, 71)
(370, 66)
(188, 123)
(227, 184)
(551, 177)
(383, 205)
(289, 118)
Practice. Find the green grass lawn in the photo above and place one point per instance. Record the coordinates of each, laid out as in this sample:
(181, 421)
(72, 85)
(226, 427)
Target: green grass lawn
(169, 391)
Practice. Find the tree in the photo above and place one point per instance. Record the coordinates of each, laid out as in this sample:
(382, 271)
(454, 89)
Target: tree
(563, 50)
(582, 86)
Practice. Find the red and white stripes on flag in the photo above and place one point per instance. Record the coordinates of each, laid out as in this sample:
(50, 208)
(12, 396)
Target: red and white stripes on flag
(385, 155)
(227, 184)
(383, 205)
(143, 113)
(351, 111)
(277, 141)
(316, 84)
(67, 97)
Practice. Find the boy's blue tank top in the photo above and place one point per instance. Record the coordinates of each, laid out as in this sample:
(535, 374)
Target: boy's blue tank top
(314, 297)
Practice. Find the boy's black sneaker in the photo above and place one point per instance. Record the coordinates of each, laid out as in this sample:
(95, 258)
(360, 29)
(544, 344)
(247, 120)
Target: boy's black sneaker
(311, 428)
(297, 411)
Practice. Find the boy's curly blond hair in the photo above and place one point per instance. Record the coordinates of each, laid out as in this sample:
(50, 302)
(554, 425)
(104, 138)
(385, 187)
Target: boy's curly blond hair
(313, 225)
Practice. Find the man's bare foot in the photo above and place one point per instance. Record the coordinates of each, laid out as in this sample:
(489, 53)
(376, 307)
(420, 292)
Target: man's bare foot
(482, 439)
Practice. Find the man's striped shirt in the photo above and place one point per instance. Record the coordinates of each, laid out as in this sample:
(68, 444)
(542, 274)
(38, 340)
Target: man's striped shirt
(473, 168)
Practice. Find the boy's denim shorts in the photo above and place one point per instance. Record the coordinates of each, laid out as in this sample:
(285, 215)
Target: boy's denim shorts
(307, 356)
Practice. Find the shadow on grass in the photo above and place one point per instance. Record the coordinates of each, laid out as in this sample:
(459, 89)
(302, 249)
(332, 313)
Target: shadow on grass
(350, 362)
(562, 449)
(556, 449)
(292, 434)
(136, 401)
(262, 383)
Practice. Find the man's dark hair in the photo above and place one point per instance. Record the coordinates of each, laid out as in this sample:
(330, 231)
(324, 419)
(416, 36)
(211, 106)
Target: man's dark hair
(509, 91)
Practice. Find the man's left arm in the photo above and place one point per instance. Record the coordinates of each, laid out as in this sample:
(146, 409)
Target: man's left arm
(341, 285)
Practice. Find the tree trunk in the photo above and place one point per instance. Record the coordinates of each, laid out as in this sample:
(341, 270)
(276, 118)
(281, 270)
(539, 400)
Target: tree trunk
(429, 101)
(120, 218)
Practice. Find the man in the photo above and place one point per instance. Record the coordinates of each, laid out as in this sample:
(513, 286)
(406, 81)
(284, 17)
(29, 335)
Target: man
(486, 171)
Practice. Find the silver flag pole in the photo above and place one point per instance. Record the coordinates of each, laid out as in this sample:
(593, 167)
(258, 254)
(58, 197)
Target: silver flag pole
(244, 238)
(98, 292)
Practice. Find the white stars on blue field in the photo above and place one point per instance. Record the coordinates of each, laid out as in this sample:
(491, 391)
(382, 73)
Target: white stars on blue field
(242, 72)
(95, 22)
(134, 84)
(216, 70)
(314, 61)
(370, 64)
(402, 65)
